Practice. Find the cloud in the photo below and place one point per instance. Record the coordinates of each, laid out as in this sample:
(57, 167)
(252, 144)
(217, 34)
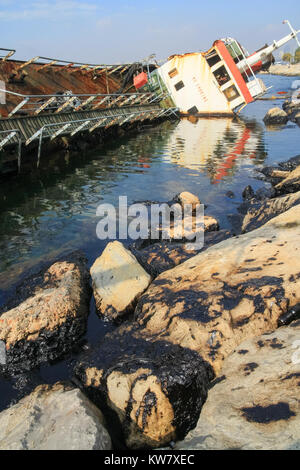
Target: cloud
(45, 9)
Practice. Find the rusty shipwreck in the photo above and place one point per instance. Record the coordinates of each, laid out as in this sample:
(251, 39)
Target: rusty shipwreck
(45, 99)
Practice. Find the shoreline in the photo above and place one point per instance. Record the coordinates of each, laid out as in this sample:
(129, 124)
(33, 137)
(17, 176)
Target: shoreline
(284, 70)
(184, 321)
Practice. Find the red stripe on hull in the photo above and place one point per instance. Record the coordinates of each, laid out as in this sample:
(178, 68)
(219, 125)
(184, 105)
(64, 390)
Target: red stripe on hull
(234, 70)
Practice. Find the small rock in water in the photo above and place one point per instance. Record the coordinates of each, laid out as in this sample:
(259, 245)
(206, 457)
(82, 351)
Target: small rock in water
(248, 192)
(188, 198)
(265, 193)
(276, 116)
(230, 194)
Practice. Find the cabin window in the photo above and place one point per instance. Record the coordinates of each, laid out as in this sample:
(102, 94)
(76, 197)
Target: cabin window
(231, 93)
(193, 110)
(179, 85)
(173, 73)
(222, 76)
(213, 59)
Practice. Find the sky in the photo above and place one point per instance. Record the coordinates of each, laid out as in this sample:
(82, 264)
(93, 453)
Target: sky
(117, 31)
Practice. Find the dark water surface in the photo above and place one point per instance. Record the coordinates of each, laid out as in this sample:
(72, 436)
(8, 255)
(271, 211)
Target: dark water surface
(48, 212)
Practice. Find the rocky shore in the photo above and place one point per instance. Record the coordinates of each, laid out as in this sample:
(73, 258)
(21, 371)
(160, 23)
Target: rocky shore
(205, 348)
(287, 70)
(290, 111)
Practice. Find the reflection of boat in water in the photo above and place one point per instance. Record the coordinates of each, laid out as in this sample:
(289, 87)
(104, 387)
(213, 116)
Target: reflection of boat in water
(215, 146)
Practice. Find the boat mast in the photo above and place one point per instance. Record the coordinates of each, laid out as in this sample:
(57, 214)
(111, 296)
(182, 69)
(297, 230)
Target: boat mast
(253, 59)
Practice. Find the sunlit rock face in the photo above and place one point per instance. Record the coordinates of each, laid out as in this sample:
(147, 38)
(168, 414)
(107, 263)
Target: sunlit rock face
(47, 316)
(56, 417)
(254, 404)
(118, 281)
(188, 321)
(261, 212)
(290, 184)
(152, 390)
(234, 290)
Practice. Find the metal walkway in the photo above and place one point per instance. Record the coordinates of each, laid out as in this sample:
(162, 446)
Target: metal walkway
(25, 130)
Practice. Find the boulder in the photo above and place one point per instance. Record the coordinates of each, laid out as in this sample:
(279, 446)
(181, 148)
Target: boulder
(292, 109)
(192, 227)
(161, 256)
(254, 404)
(277, 175)
(118, 281)
(248, 192)
(290, 164)
(276, 116)
(55, 417)
(189, 320)
(274, 174)
(188, 198)
(259, 214)
(153, 390)
(47, 316)
(232, 291)
(265, 193)
(290, 184)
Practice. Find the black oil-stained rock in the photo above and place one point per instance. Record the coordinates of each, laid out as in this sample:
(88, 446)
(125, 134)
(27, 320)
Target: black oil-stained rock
(47, 315)
(162, 256)
(254, 405)
(151, 390)
(290, 316)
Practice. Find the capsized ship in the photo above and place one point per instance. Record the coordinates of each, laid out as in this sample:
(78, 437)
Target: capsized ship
(217, 82)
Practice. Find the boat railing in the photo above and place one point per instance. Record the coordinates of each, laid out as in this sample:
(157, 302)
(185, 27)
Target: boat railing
(72, 65)
(6, 53)
(72, 127)
(33, 105)
(6, 137)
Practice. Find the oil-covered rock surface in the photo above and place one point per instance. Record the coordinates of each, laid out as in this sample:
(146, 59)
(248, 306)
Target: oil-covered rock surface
(276, 116)
(46, 316)
(255, 404)
(161, 256)
(234, 290)
(285, 177)
(153, 390)
(58, 417)
(192, 316)
(261, 212)
(291, 183)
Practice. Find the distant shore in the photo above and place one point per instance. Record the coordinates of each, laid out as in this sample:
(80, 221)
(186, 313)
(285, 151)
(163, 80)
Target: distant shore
(286, 70)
